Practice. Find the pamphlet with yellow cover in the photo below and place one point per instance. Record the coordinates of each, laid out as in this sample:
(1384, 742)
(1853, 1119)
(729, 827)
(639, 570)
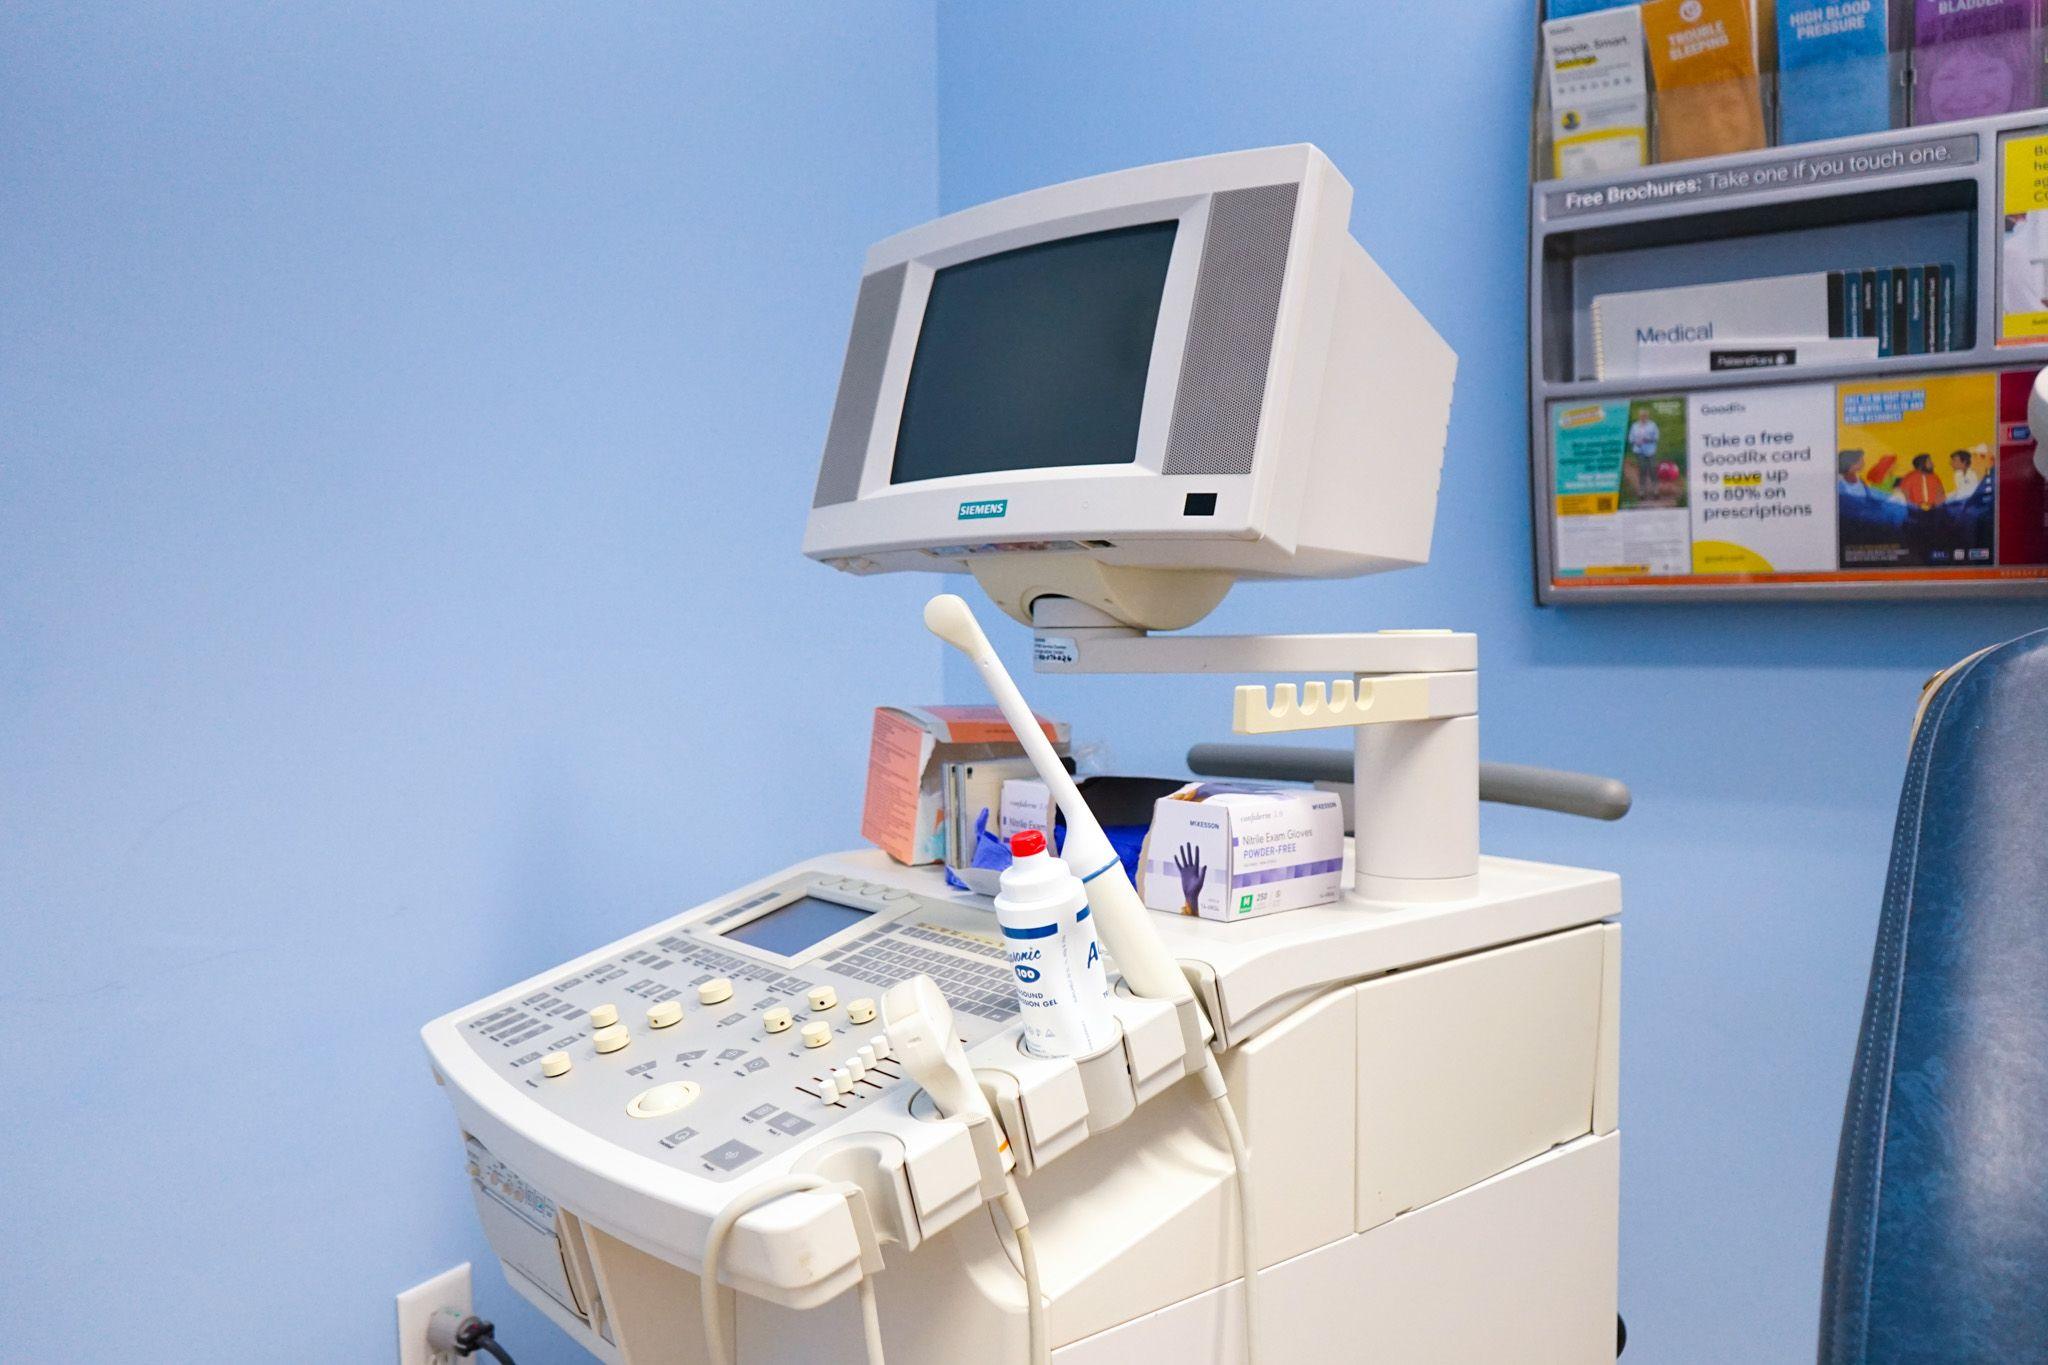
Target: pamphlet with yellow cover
(1599, 93)
(1703, 58)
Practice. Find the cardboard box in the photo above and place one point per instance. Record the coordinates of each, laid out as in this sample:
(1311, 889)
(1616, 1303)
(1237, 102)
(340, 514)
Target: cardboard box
(905, 810)
(1232, 850)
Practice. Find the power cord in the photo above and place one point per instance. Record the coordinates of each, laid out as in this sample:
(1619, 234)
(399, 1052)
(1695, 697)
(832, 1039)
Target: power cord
(716, 1341)
(465, 1334)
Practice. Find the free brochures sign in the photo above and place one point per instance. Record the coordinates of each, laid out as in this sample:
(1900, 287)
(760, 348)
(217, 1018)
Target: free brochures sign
(1789, 170)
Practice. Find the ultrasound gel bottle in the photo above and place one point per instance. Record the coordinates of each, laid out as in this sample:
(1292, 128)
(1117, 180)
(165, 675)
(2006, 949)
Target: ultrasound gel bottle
(1062, 991)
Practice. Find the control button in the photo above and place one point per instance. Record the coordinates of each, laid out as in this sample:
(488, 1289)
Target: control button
(666, 1013)
(604, 1016)
(716, 991)
(777, 1020)
(817, 1033)
(866, 1055)
(861, 1011)
(789, 1125)
(822, 998)
(842, 1079)
(554, 1064)
(880, 1043)
(731, 1156)
(611, 1039)
(855, 1067)
(655, 1101)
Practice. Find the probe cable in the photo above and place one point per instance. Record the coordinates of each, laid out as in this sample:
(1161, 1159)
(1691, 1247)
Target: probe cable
(715, 1340)
(1241, 1158)
(1012, 1202)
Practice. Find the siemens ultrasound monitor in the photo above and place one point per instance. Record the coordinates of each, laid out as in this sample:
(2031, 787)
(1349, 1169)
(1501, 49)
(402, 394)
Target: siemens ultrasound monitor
(1133, 390)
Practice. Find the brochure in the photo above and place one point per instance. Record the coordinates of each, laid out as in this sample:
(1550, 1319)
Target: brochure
(1834, 69)
(2023, 241)
(1620, 487)
(1913, 474)
(2022, 476)
(1703, 58)
(1599, 95)
(1764, 459)
(1972, 58)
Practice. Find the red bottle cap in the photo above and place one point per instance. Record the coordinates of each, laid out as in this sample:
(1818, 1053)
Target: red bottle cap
(1024, 843)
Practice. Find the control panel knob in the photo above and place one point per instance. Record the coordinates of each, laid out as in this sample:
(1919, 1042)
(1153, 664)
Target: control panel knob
(866, 1055)
(861, 1011)
(822, 998)
(554, 1064)
(777, 1020)
(604, 1016)
(657, 1100)
(666, 1013)
(716, 991)
(854, 1067)
(611, 1039)
(880, 1043)
(817, 1033)
(842, 1079)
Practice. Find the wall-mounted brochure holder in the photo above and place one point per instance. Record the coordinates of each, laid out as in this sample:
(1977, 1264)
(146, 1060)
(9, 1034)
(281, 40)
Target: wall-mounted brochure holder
(1799, 371)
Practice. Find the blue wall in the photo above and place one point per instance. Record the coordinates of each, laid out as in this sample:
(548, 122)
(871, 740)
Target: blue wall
(406, 420)
(1765, 744)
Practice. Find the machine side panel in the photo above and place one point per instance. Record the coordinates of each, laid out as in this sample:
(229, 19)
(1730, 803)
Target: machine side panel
(1296, 1091)
(1607, 1084)
(1468, 1067)
(1521, 1268)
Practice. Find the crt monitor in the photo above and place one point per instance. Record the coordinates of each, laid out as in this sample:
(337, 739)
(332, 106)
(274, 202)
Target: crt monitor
(1133, 390)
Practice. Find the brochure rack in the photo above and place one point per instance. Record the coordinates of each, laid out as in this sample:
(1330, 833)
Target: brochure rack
(1801, 479)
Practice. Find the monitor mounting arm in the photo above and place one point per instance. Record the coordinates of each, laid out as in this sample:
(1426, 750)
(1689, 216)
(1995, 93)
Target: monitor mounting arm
(1410, 698)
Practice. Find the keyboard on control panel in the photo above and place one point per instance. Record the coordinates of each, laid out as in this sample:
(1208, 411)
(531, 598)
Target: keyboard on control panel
(980, 986)
(695, 1048)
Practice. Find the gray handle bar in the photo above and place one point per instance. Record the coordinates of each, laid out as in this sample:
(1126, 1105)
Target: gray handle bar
(1507, 784)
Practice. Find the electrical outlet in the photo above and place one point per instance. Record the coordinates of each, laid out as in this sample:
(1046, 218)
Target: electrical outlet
(449, 1289)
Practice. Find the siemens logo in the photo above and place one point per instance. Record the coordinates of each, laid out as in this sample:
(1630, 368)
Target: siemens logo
(984, 510)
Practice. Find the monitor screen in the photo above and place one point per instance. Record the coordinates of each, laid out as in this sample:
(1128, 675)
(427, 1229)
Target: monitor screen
(1035, 357)
(790, 929)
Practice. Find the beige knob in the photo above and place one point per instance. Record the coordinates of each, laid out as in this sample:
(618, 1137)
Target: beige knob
(822, 998)
(861, 1011)
(604, 1016)
(611, 1039)
(817, 1033)
(777, 1020)
(554, 1064)
(668, 1012)
(655, 1101)
(716, 991)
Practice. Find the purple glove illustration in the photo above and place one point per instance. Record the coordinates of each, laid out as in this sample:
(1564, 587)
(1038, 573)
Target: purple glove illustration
(1192, 874)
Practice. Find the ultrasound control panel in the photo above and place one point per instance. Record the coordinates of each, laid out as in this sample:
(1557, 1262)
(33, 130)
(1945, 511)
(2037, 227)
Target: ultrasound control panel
(750, 1028)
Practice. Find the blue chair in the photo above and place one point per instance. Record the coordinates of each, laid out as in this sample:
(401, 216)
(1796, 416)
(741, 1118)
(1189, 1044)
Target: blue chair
(1938, 1241)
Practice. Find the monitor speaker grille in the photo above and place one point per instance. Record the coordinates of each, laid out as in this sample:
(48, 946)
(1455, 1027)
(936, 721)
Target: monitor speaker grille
(1230, 333)
(860, 387)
